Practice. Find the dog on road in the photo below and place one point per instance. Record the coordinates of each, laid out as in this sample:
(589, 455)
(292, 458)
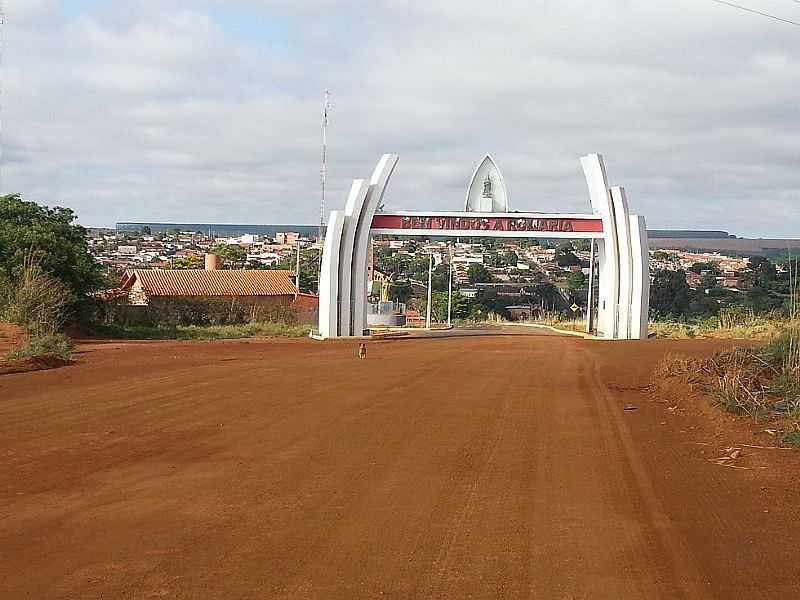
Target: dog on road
(362, 351)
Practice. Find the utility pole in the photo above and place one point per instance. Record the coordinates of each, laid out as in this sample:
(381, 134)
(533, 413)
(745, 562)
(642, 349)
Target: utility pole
(430, 287)
(2, 51)
(450, 287)
(590, 300)
(297, 269)
(326, 105)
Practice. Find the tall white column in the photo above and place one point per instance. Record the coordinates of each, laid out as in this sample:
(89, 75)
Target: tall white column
(430, 291)
(329, 277)
(590, 299)
(352, 210)
(622, 220)
(607, 249)
(640, 290)
(377, 186)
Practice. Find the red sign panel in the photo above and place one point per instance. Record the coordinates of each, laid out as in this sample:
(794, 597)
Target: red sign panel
(470, 223)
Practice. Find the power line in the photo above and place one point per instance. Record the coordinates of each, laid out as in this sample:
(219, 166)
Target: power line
(758, 12)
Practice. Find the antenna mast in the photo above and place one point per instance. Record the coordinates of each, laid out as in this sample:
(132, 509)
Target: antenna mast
(324, 172)
(2, 50)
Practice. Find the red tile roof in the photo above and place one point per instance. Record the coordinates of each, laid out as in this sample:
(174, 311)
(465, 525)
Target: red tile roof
(196, 282)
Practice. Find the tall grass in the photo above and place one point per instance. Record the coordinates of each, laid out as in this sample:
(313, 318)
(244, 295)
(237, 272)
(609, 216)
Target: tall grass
(38, 301)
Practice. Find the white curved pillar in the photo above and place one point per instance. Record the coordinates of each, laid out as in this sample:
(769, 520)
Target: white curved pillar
(329, 277)
(352, 210)
(640, 269)
(622, 220)
(608, 251)
(377, 186)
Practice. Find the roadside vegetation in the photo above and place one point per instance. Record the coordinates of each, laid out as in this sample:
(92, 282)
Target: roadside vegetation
(48, 279)
(46, 276)
(57, 345)
(39, 303)
(207, 332)
(195, 319)
(762, 383)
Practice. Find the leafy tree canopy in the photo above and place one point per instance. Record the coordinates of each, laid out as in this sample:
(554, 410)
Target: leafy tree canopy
(699, 267)
(576, 280)
(53, 239)
(477, 273)
(190, 261)
(234, 255)
(565, 255)
(669, 293)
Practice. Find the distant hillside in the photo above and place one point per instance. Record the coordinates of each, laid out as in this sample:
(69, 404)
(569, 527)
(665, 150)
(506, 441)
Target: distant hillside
(773, 248)
(687, 234)
(221, 229)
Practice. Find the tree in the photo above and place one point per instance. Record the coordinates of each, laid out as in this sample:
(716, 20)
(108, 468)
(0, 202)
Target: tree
(441, 277)
(699, 267)
(709, 281)
(460, 308)
(235, 256)
(565, 255)
(764, 271)
(576, 280)
(489, 301)
(510, 258)
(669, 293)
(477, 273)
(544, 293)
(188, 262)
(146, 230)
(582, 245)
(309, 268)
(400, 291)
(50, 238)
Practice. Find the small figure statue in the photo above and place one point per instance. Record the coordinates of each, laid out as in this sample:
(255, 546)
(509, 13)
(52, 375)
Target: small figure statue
(487, 187)
(362, 351)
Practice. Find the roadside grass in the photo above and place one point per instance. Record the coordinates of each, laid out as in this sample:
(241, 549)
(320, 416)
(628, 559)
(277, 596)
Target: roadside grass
(558, 321)
(753, 328)
(57, 345)
(679, 365)
(791, 437)
(760, 383)
(758, 329)
(208, 332)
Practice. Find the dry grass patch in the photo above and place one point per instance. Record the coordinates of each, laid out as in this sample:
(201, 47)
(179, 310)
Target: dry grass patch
(757, 382)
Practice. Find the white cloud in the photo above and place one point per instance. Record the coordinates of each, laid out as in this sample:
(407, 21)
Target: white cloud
(152, 111)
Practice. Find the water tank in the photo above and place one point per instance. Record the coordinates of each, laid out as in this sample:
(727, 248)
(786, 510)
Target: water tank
(213, 262)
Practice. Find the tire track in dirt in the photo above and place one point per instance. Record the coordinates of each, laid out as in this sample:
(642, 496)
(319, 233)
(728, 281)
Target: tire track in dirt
(687, 576)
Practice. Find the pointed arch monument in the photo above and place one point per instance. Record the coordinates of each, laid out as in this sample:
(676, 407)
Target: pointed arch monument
(621, 238)
(487, 188)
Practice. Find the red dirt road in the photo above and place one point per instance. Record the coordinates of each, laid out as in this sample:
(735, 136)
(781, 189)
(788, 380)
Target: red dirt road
(495, 467)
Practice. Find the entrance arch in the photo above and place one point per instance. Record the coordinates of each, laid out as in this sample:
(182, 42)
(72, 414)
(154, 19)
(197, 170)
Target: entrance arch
(622, 245)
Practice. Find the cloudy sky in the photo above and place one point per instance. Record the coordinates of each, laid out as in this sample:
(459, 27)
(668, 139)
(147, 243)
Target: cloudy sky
(209, 111)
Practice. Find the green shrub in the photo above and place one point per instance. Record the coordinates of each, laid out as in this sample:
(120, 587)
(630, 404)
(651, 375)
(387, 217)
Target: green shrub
(49, 345)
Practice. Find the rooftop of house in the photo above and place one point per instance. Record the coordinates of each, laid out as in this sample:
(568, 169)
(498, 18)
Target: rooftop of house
(199, 282)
